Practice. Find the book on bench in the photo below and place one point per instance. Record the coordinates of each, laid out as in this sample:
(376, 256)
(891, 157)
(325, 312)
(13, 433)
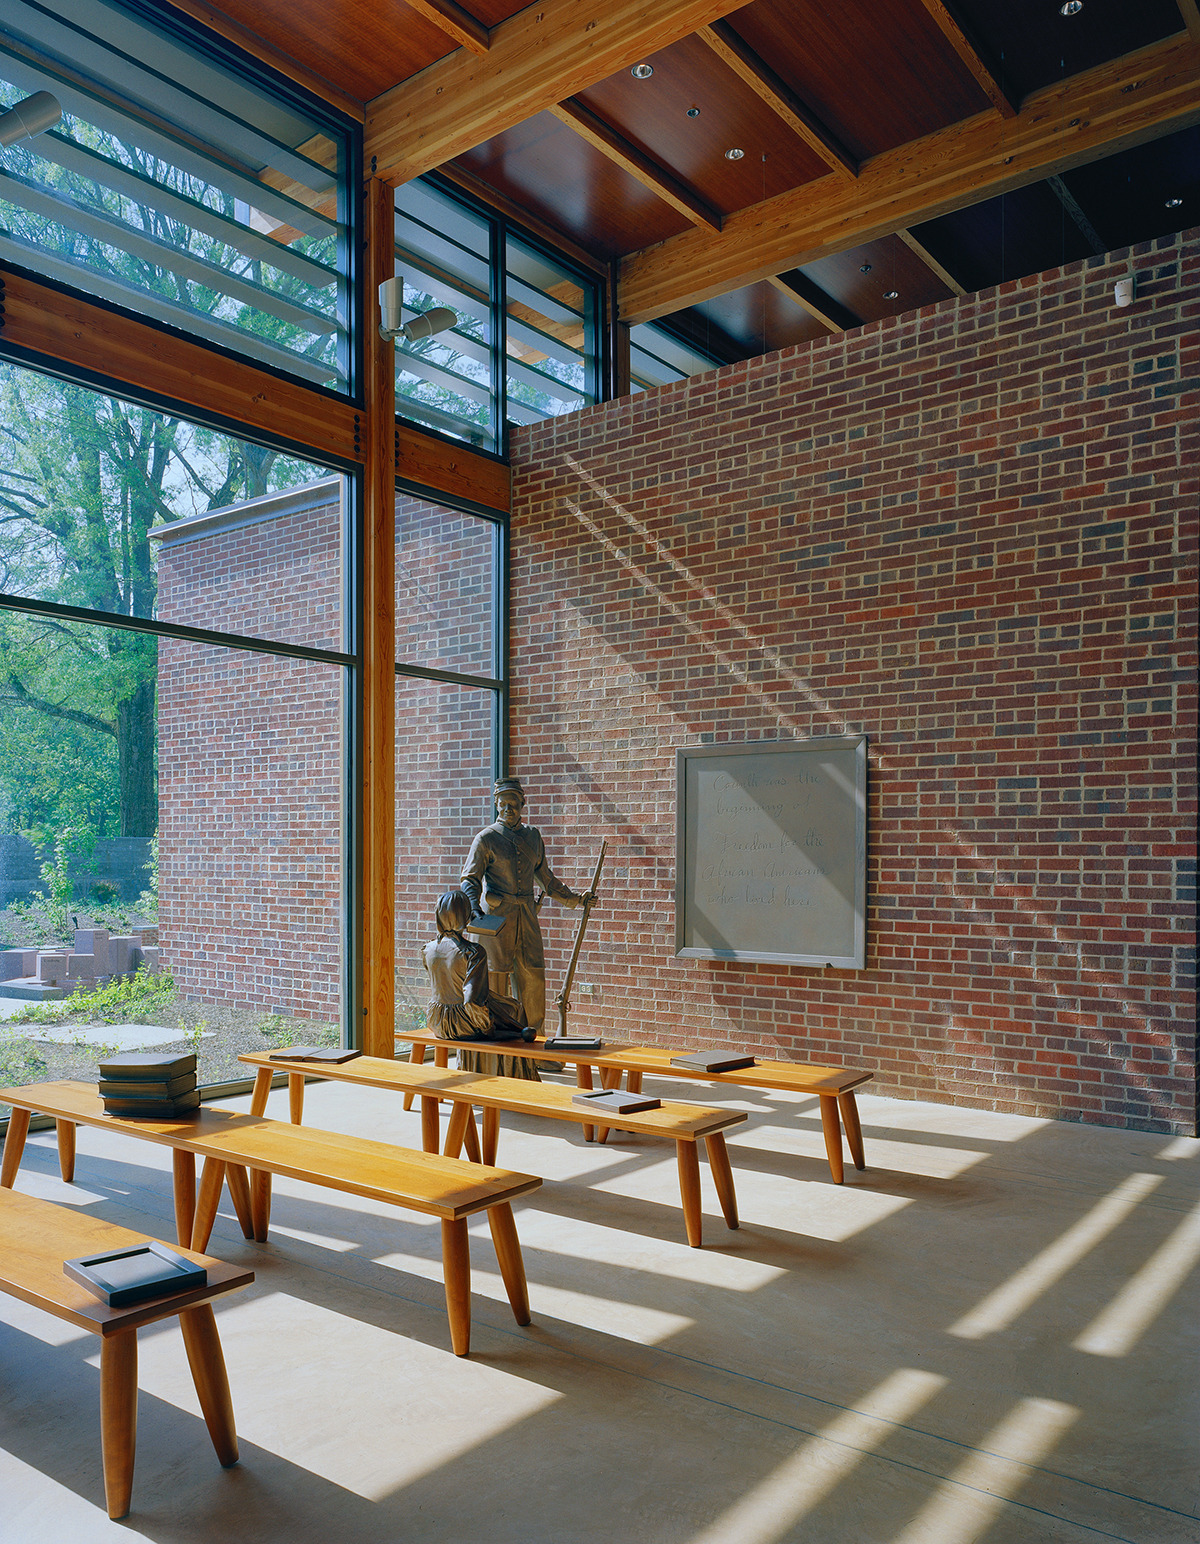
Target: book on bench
(574, 1043)
(713, 1061)
(333, 1054)
(616, 1101)
(159, 1088)
(153, 1109)
(143, 1066)
(123, 1276)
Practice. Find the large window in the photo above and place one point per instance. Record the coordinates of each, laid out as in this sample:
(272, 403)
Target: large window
(174, 680)
(525, 347)
(176, 188)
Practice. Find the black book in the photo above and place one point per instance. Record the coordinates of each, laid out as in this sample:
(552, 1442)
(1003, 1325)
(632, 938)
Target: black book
(713, 1061)
(138, 1066)
(125, 1276)
(156, 1109)
(616, 1101)
(574, 1043)
(158, 1088)
(331, 1054)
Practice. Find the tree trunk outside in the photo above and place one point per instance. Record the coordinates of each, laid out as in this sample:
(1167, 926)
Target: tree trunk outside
(136, 729)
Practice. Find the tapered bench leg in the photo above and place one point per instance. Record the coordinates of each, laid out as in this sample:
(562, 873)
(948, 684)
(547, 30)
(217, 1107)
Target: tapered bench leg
(456, 1128)
(118, 1418)
(239, 1194)
(183, 1172)
(212, 1178)
(14, 1146)
(610, 1077)
(65, 1131)
(262, 1087)
(491, 1134)
(429, 1124)
(831, 1126)
(508, 1253)
(207, 1362)
(722, 1173)
(456, 1269)
(260, 1203)
(848, 1105)
(583, 1079)
(296, 1098)
(416, 1055)
(689, 1189)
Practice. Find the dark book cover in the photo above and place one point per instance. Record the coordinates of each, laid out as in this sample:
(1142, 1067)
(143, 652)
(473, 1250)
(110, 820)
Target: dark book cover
(616, 1101)
(158, 1088)
(126, 1276)
(713, 1061)
(485, 926)
(138, 1066)
(333, 1055)
(158, 1109)
(574, 1043)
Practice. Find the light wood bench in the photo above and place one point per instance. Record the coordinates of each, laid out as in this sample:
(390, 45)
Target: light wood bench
(35, 1238)
(834, 1086)
(232, 1143)
(686, 1124)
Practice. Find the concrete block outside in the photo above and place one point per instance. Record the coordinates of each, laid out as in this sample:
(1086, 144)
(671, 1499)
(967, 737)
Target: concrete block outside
(12, 964)
(120, 953)
(51, 968)
(94, 941)
(82, 967)
(152, 959)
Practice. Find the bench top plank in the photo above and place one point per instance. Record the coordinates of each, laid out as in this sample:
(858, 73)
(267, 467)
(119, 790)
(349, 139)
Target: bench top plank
(683, 1122)
(794, 1077)
(448, 1188)
(36, 1236)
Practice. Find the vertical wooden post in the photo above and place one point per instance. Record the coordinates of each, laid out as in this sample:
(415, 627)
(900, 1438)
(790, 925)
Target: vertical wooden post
(378, 861)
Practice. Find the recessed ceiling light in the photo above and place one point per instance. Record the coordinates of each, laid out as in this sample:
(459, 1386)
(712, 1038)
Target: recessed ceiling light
(693, 112)
(734, 155)
(892, 295)
(642, 71)
(866, 268)
(1070, 7)
(1174, 203)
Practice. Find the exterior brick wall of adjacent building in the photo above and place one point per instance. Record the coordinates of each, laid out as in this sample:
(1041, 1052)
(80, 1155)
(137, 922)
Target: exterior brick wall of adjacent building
(971, 533)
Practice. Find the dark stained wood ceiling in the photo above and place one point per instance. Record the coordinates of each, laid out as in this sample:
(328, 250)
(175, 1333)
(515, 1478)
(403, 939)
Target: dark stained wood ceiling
(817, 96)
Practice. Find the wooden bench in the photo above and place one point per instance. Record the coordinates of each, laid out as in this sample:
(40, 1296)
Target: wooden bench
(232, 1143)
(686, 1124)
(834, 1086)
(35, 1238)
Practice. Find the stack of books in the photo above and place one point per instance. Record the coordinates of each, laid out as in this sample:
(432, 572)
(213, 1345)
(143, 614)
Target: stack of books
(149, 1084)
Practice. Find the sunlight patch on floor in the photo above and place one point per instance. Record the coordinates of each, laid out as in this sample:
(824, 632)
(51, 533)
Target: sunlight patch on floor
(1118, 1328)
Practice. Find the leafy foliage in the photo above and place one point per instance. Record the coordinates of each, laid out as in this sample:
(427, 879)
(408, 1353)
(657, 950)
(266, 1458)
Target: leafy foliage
(121, 1002)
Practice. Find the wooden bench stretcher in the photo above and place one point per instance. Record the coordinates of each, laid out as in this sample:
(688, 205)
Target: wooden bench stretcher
(834, 1086)
(688, 1125)
(35, 1238)
(232, 1144)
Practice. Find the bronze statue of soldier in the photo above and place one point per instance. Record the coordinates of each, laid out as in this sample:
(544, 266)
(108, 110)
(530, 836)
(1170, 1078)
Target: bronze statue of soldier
(505, 860)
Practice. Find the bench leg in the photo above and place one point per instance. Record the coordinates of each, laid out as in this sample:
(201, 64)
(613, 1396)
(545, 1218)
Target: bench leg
(260, 1203)
(456, 1269)
(833, 1135)
(262, 1087)
(14, 1146)
(633, 1082)
(508, 1253)
(722, 1173)
(207, 1362)
(65, 1131)
(610, 1077)
(848, 1105)
(296, 1098)
(118, 1418)
(429, 1123)
(456, 1128)
(416, 1057)
(212, 1178)
(491, 1135)
(441, 1056)
(183, 1167)
(239, 1194)
(689, 1189)
(583, 1079)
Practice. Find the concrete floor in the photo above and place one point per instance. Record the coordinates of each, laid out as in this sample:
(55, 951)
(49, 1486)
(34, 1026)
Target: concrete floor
(989, 1335)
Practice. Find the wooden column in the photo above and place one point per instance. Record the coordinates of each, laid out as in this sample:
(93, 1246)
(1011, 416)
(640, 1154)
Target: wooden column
(378, 786)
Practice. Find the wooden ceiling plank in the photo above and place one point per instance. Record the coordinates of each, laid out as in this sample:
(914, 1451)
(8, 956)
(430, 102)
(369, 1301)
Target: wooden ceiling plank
(1190, 12)
(971, 54)
(455, 23)
(630, 159)
(758, 75)
(807, 304)
(931, 262)
(538, 58)
(1120, 104)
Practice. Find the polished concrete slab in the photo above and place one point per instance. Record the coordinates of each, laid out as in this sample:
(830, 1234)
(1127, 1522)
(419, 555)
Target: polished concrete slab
(990, 1335)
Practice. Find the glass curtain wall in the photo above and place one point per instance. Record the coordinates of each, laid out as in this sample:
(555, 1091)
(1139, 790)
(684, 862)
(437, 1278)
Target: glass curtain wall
(174, 675)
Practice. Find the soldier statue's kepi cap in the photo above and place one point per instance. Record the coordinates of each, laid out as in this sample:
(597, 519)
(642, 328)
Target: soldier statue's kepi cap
(508, 785)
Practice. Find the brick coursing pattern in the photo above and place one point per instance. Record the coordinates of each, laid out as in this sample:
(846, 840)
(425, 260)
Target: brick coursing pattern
(971, 533)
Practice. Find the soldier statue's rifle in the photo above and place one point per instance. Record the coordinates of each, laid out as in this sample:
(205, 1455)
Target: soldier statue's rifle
(563, 999)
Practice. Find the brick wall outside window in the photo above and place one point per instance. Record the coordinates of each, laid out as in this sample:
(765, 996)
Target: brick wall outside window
(971, 533)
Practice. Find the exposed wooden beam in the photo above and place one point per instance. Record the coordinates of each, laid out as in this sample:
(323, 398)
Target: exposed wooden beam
(539, 57)
(630, 159)
(487, 194)
(807, 303)
(758, 75)
(1190, 12)
(931, 262)
(973, 56)
(455, 23)
(1120, 104)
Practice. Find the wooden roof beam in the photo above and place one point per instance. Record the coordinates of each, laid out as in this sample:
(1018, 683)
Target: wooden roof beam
(758, 75)
(1190, 12)
(918, 246)
(812, 299)
(973, 56)
(630, 159)
(1117, 105)
(538, 58)
(455, 23)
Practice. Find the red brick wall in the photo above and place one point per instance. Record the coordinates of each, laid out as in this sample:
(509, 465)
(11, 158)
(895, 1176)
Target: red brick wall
(971, 533)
